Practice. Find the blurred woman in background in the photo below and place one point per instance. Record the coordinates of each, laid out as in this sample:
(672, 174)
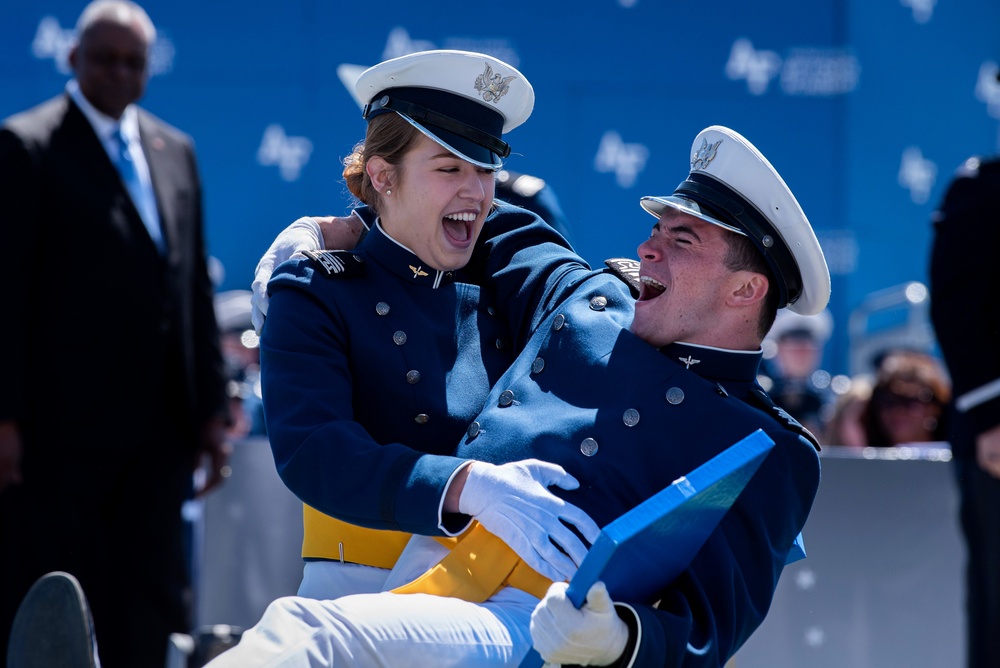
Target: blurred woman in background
(908, 401)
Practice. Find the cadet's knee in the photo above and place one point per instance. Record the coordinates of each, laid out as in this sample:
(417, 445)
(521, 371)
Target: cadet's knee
(294, 606)
(305, 615)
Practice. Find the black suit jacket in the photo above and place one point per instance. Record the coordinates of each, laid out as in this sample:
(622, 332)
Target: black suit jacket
(965, 306)
(103, 340)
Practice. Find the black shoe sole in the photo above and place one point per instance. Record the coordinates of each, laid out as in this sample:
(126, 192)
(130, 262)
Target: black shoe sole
(53, 626)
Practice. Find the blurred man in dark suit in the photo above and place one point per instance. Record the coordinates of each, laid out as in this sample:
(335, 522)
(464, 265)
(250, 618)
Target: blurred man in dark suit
(965, 310)
(111, 379)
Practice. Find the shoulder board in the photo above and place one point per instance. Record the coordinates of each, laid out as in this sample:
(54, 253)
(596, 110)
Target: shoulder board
(337, 263)
(781, 415)
(627, 270)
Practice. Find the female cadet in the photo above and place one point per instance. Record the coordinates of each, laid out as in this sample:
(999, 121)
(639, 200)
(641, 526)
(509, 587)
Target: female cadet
(374, 362)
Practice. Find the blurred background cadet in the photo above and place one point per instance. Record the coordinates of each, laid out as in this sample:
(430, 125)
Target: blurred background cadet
(791, 373)
(241, 354)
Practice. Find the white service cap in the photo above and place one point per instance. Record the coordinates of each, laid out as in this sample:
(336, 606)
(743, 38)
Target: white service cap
(464, 101)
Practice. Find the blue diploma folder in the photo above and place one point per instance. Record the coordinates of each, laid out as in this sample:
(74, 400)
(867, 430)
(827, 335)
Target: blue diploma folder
(642, 551)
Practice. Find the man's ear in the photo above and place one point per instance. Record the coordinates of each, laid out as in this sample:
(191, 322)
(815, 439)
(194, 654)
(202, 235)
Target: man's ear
(751, 288)
(380, 172)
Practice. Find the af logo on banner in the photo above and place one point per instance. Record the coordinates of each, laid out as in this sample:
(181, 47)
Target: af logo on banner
(290, 154)
(625, 161)
(988, 87)
(917, 174)
(814, 72)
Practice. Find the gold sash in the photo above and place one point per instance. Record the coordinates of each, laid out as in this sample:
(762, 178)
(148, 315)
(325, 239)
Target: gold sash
(478, 565)
(327, 538)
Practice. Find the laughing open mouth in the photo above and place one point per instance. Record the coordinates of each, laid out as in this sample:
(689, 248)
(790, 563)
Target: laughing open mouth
(650, 288)
(458, 226)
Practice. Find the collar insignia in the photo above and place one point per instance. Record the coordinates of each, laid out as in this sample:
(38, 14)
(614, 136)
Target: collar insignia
(704, 155)
(688, 361)
(417, 271)
(492, 86)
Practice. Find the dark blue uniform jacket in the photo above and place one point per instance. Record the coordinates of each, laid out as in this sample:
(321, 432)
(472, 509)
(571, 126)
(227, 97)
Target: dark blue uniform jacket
(627, 419)
(373, 370)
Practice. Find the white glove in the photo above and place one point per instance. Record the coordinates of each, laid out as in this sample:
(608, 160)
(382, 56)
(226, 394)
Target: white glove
(594, 635)
(513, 502)
(302, 235)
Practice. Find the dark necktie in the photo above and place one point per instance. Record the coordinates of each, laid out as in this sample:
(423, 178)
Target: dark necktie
(143, 203)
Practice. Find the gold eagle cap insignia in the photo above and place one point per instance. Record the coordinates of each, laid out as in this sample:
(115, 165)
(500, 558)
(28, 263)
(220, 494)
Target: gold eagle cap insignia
(493, 86)
(705, 154)
(417, 271)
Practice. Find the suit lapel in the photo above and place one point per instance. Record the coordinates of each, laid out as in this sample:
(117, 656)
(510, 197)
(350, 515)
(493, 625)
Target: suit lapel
(84, 142)
(159, 159)
(94, 164)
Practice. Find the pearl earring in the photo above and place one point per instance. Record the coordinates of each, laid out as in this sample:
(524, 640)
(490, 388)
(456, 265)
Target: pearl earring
(388, 191)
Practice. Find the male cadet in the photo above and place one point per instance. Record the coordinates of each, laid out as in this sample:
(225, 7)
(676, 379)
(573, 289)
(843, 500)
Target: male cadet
(627, 395)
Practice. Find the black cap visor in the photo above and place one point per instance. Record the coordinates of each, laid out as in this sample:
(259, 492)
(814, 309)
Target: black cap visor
(463, 126)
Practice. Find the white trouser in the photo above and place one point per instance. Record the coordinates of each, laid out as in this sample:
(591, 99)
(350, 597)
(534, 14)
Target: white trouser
(326, 579)
(385, 629)
(332, 579)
